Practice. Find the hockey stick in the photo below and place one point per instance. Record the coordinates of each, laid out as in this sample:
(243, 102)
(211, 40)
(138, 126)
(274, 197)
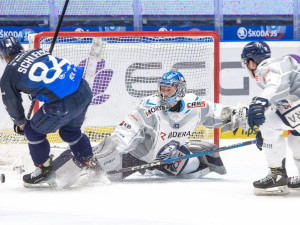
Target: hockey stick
(50, 50)
(179, 158)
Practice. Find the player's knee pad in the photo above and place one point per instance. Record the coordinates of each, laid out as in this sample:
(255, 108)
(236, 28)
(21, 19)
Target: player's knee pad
(269, 134)
(107, 155)
(70, 134)
(32, 135)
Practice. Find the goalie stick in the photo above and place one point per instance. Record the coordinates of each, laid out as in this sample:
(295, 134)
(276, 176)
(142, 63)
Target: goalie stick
(175, 159)
(65, 163)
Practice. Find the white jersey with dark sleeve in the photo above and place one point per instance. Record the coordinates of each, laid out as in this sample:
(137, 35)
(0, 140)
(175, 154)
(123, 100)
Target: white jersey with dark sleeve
(279, 77)
(150, 133)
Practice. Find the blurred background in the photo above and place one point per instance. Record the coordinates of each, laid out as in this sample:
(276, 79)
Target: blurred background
(231, 19)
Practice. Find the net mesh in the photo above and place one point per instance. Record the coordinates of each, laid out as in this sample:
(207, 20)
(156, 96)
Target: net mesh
(122, 70)
(127, 69)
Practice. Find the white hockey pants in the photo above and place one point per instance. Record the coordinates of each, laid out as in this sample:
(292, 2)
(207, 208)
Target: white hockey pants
(274, 146)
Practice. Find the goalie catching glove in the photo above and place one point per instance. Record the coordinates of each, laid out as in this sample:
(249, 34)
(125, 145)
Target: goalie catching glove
(236, 117)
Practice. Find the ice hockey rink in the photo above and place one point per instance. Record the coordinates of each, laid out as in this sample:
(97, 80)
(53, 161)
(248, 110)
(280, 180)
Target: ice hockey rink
(123, 72)
(145, 200)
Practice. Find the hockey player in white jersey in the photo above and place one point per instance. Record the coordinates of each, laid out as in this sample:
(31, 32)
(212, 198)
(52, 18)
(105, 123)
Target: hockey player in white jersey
(275, 110)
(160, 127)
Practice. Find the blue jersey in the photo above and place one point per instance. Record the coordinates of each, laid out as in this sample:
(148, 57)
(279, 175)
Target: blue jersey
(39, 74)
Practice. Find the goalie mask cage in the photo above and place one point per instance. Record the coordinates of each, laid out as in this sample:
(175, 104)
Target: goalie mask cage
(124, 67)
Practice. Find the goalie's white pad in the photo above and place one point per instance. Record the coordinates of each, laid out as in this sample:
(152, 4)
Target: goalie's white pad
(68, 173)
(213, 160)
(236, 117)
(107, 155)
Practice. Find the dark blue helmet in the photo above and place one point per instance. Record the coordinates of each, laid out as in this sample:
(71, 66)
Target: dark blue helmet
(10, 46)
(257, 51)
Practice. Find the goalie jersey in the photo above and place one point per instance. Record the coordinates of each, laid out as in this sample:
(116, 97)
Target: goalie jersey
(40, 75)
(280, 78)
(152, 133)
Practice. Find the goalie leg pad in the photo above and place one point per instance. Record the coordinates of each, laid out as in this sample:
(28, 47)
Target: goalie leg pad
(107, 155)
(69, 173)
(177, 168)
(213, 160)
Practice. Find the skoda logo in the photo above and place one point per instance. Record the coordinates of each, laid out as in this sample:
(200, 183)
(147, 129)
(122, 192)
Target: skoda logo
(242, 32)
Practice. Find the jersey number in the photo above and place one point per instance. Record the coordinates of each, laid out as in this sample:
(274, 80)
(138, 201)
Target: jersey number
(43, 75)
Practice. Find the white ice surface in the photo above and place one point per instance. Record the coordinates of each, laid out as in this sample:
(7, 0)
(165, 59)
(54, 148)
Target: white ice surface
(141, 200)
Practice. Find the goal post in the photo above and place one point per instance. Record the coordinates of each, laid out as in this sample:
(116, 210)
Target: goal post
(123, 67)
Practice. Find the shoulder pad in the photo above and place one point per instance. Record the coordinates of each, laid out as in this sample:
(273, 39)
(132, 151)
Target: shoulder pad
(193, 101)
(150, 101)
(266, 62)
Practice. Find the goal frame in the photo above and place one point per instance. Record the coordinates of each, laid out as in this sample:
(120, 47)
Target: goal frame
(212, 34)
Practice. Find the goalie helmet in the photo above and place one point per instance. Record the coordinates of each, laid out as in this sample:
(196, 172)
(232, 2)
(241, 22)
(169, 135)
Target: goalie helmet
(171, 88)
(10, 46)
(257, 51)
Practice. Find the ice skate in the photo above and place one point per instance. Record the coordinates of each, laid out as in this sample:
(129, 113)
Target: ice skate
(43, 176)
(294, 183)
(275, 183)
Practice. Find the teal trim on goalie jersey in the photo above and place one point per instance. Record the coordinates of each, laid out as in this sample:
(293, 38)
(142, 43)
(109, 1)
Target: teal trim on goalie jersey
(149, 103)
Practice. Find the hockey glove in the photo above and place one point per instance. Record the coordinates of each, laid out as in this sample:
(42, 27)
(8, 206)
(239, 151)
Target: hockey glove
(259, 140)
(18, 130)
(256, 113)
(235, 117)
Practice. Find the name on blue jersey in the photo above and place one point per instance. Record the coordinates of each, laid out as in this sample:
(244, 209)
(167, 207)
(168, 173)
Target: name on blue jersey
(27, 62)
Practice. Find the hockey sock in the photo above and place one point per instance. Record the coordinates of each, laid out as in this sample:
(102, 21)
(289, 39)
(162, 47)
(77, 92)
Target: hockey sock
(275, 151)
(82, 149)
(293, 142)
(39, 146)
(79, 143)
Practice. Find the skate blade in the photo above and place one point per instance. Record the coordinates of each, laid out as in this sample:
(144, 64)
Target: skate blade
(44, 184)
(281, 190)
(295, 189)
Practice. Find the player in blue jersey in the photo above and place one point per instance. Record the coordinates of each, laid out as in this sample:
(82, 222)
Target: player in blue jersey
(66, 97)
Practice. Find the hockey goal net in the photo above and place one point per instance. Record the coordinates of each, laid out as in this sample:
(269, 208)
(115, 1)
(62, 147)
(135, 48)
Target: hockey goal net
(124, 67)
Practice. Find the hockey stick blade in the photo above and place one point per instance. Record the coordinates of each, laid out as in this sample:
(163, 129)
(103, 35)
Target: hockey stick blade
(179, 158)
